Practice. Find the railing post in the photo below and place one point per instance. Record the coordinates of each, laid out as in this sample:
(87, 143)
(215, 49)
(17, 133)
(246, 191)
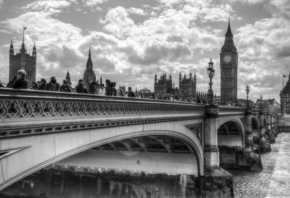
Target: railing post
(211, 137)
(248, 128)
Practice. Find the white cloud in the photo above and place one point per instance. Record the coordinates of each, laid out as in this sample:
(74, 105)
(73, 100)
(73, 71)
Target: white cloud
(136, 11)
(93, 3)
(58, 6)
(49, 6)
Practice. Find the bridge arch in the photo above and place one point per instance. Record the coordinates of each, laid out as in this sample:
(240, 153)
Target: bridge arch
(79, 141)
(231, 132)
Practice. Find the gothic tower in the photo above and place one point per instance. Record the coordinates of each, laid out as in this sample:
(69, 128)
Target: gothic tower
(229, 68)
(22, 60)
(89, 74)
(187, 86)
(68, 78)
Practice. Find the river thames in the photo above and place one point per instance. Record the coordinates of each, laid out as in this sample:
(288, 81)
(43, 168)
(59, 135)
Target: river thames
(274, 180)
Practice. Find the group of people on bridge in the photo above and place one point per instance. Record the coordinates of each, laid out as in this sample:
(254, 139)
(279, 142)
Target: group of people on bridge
(20, 82)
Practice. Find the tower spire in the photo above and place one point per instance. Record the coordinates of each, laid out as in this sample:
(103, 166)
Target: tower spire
(229, 31)
(89, 61)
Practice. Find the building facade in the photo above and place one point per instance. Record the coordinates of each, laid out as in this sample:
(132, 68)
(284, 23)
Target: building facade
(229, 69)
(285, 98)
(163, 85)
(187, 86)
(89, 74)
(22, 60)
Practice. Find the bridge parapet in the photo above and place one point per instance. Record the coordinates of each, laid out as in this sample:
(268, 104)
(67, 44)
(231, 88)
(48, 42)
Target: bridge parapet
(230, 110)
(21, 110)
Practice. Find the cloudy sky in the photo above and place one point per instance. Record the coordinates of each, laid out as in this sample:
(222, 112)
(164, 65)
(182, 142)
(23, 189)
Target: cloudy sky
(131, 40)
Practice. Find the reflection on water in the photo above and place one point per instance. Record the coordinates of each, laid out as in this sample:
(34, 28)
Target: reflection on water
(52, 183)
(274, 180)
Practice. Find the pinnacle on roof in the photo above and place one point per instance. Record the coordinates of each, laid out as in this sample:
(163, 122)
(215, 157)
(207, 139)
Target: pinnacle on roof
(229, 31)
(89, 53)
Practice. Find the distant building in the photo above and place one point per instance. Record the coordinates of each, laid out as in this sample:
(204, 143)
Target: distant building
(229, 69)
(22, 60)
(145, 90)
(89, 74)
(68, 78)
(270, 105)
(123, 87)
(285, 98)
(163, 85)
(187, 86)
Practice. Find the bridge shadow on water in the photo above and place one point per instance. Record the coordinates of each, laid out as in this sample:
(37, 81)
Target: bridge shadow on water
(52, 183)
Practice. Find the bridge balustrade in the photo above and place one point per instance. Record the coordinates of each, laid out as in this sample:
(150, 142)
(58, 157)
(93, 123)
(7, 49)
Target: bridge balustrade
(25, 111)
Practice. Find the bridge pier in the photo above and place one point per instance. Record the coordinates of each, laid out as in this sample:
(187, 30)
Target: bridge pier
(263, 142)
(271, 134)
(214, 176)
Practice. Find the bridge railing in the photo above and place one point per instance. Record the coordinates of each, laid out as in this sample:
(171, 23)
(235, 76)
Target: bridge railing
(228, 110)
(18, 106)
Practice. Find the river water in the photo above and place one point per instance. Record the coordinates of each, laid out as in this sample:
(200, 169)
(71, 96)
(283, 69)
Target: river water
(273, 181)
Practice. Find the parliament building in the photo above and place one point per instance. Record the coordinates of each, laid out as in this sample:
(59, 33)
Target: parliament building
(22, 60)
(187, 86)
(89, 74)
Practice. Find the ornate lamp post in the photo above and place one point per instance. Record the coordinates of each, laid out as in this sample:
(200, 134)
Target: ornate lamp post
(210, 72)
(247, 91)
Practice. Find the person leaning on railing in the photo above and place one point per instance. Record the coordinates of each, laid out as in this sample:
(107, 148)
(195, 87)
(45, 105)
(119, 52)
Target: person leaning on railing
(52, 85)
(21, 82)
(80, 88)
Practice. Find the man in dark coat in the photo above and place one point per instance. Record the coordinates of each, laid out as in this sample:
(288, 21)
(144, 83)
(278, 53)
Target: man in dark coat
(92, 87)
(65, 87)
(11, 83)
(80, 88)
(52, 85)
(108, 88)
(20, 83)
(131, 93)
(42, 84)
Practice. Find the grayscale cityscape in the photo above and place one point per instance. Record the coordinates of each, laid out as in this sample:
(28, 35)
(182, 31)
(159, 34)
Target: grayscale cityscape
(144, 98)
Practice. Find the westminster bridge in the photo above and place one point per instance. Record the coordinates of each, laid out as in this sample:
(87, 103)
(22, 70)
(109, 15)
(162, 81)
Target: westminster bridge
(39, 129)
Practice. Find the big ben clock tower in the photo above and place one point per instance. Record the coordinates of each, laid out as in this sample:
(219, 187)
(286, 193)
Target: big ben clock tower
(229, 69)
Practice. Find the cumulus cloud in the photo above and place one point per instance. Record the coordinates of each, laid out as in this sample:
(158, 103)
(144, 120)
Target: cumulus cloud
(49, 6)
(136, 11)
(58, 6)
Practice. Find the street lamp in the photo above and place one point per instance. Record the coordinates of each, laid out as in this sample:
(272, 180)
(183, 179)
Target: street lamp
(210, 72)
(247, 91)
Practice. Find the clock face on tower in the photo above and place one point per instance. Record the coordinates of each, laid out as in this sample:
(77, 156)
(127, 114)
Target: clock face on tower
(227, 58)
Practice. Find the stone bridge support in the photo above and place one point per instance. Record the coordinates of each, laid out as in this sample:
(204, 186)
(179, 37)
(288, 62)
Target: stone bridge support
(263, 138)
(271, 132)
(248, 128)
(214, 175)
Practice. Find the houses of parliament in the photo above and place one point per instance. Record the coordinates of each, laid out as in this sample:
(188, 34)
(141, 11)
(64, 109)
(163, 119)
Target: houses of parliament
(163, 85)
(229, 78)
